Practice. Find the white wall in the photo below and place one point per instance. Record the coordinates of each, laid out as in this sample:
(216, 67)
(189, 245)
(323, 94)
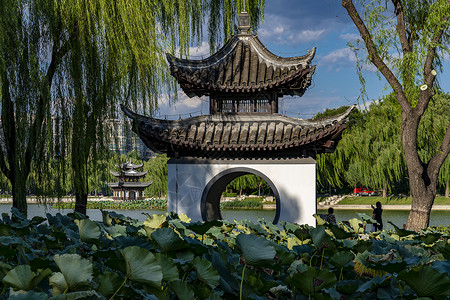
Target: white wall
(294, 179)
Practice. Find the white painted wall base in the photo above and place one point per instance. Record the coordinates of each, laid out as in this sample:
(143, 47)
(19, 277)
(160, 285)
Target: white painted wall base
(293, 179)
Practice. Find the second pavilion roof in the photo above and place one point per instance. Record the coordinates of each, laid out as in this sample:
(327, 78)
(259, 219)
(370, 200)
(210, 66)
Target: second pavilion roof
(243, 65)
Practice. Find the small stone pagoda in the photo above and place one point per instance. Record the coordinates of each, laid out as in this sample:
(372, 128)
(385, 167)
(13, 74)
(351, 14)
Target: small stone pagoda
(128, 187)
(243, 134)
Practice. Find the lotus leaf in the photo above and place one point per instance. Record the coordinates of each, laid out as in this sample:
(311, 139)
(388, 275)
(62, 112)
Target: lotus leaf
(339, 232)
(167, 239)
(182, 290)
(374, 283)
(108, 283)
(202, 227)
(257, 251)
(206, 272)
(168, 268)
(319, 219)
(320, 238)
(22, 278)
(402, 232)
(340, 259)
(426, 281)
(155, 221)
(442, 266)
(107, 220)
(184, 218)
(89, 230)
(77, 295)
(313, 280)
(30, 295)
(347, 286)
(228, 281)
(292, 242)
(10, 240)
(367, 219)
(142, 266)
(36, 220)
(59, 284)
(76, 270)
(363, 265)
(356, 225)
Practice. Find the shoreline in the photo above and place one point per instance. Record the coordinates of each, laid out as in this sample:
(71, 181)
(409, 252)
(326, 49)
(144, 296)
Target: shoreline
(385, 207)
(265, 207)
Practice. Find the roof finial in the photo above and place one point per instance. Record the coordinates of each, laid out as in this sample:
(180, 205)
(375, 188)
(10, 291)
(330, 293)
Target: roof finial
(243, 22)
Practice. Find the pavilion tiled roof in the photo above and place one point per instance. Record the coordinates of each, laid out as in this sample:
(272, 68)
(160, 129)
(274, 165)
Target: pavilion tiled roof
(240, 135)
(243, 65)
(129, 185)
(128, 173)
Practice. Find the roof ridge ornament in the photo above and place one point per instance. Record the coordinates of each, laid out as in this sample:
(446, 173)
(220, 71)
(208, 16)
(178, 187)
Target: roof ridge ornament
(243, 22)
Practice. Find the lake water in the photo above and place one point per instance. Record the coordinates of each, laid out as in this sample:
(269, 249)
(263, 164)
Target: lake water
(398, 217)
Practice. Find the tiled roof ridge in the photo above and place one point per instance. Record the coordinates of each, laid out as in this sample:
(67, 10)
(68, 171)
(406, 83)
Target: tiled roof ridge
(271, 132)
(243, 65)
(230, 46)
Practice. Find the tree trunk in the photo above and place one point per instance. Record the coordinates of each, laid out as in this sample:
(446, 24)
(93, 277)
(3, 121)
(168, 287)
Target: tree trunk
(422, 179)
(19, 194)
(385, 190)
(81, 203)
(447, 189)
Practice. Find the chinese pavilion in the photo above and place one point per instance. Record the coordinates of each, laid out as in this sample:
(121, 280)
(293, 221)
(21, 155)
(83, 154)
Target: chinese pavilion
(243, 134)
(128, 187)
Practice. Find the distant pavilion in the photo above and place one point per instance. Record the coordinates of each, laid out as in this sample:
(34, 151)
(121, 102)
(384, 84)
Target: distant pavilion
(128, 186)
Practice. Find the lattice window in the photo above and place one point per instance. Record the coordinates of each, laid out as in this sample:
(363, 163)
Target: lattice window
(243, 105)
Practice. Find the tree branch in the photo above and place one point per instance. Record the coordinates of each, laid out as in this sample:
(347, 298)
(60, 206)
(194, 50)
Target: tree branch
(426, 95)
(35, 131)
(8, 127)
(373, 55)
(438, 159)
(401, 29)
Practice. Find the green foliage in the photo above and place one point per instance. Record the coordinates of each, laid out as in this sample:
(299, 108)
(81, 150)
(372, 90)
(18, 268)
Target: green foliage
(370, 152)
(218, 259)
(252, 203)
(157, 174)
(109, 204)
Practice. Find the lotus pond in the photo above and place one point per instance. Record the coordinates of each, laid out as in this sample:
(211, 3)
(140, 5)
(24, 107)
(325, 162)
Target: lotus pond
(169, 257)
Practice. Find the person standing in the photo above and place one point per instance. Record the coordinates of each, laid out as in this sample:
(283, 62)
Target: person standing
(331, 218)
(377, 212)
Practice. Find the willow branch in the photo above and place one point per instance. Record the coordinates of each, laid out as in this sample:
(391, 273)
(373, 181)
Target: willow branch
(401, 28)
(373, 55)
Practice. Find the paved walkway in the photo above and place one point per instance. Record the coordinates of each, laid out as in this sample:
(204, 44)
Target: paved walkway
(386, 207)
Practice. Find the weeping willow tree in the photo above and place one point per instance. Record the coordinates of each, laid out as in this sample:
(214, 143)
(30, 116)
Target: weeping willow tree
(369, 153)
(76, 60)
(406, 41)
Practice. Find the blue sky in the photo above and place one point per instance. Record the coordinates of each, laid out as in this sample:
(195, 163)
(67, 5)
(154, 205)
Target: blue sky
(293, 27)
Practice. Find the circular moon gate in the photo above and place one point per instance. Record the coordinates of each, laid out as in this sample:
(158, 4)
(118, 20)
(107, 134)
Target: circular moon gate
(210, 201)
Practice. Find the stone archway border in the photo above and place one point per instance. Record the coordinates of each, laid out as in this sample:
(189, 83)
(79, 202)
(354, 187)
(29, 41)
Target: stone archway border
(227, 176)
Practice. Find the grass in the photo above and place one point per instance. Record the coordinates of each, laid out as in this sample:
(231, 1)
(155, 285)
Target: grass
(365, 200)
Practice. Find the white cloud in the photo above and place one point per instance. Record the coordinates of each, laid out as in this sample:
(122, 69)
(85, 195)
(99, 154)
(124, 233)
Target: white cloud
(349, 36)
(339, 56)
(307, 36)
(183, 108)
(278, 29)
